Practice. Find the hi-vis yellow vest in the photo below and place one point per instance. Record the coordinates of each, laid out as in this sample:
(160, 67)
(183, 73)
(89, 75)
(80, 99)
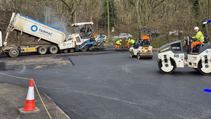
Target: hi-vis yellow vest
(199, 36)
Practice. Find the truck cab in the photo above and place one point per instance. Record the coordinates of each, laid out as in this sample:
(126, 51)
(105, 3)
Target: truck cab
(71, 42)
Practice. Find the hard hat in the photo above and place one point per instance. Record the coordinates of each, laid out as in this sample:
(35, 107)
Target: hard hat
(147, 34)
(196, 28)
(120, 40)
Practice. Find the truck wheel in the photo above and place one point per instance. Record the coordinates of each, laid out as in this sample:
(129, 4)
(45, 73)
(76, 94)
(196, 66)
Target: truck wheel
(91, 48)
(13, 52)
(65, 51)
(71, 50)
(131, 53)
(138, 56)
(167, 71)
(42, 50)
(200, 68)
(85, 48)
(53, 49)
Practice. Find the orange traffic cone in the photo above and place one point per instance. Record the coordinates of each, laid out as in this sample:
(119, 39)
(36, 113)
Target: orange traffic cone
(29, 106)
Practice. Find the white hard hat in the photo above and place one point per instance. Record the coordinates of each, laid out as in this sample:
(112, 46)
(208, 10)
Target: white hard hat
(120, 40)
(196, 28)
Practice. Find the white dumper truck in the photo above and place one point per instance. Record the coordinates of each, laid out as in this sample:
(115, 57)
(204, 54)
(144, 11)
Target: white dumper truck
(40, 31)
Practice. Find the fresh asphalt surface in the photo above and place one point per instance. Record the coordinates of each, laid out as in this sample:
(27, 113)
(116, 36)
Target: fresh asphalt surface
(115, 86)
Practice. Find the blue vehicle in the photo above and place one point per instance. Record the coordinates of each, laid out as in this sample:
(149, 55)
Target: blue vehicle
(86, 32)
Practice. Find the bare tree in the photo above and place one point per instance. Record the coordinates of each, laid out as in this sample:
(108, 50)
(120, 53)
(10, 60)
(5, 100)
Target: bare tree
(71, 7)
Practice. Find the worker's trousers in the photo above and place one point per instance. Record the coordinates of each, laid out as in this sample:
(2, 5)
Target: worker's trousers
(128, 45)
(193, 44)
(117, 46)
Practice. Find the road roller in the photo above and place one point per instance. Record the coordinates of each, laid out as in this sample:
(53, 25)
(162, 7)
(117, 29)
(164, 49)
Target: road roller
(142, 49)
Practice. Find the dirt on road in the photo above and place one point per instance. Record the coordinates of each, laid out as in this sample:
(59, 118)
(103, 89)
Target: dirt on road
(35, 61)
(20, 63)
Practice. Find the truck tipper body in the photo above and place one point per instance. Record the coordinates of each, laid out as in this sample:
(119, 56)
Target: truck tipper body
(40, 31)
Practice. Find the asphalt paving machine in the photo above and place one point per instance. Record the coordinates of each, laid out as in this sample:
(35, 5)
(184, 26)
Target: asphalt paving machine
(86, 32)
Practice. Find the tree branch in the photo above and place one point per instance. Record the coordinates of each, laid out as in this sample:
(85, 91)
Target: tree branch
(132, 3)
(65, 3)
(158, 4)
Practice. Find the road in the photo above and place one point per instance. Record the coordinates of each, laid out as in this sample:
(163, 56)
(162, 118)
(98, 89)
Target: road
(115, 86)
